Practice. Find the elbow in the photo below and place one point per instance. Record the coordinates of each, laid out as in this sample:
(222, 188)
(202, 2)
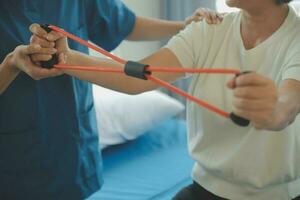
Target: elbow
(283, 124)
(133, 93)
(136, 90)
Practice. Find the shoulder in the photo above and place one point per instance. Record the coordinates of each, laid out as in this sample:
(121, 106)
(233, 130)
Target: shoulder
(228, 22)
(292, 33)
(105, 5)
(199, 32)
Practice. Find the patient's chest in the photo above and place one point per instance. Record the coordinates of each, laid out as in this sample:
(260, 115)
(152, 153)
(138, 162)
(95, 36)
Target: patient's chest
(266, 60)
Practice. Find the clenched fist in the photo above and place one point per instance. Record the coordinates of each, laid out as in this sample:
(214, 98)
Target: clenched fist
(255, 97)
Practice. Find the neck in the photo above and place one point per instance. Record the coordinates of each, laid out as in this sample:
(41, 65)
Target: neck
(260, 23)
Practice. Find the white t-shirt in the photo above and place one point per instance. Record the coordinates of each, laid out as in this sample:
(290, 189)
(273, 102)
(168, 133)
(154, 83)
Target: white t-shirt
(234, 162)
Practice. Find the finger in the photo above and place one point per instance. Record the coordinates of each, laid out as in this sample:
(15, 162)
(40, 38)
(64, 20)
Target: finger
(202, 11)
(231, 83)
(36, 48)
(36, 29)
(38, 73)
(208, 18)
(207, 14)
(250, 92)
(40, 57)
(214, 17)
(43, 42)
(251, 104)
(194, 19)
(53, 36)
(30, 49)
(198, 18)
(250, 79)
(250, 115)
(47, 51)
(220, 17)
(42, 54)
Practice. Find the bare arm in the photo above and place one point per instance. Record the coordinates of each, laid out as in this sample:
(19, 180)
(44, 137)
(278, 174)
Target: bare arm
(155, 29)
(118, 82)
(121, 82)
(8, 73)
(288, 106)
(145, 29)
(19, 60)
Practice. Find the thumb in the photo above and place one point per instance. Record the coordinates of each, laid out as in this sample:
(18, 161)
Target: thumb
(62, 58)
(28, 49)
(231, 84)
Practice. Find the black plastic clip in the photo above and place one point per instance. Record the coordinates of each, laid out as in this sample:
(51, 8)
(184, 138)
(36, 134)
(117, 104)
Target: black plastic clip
(137, 70)
(54, 60)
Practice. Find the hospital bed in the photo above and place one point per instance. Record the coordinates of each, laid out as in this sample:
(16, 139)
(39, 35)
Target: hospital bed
(153, 167)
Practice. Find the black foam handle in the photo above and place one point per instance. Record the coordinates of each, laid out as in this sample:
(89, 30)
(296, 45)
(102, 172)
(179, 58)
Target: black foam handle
(137, 70)
(237, 119)
(54, 60)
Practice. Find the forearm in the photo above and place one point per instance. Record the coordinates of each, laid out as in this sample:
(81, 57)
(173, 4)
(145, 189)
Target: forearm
(154, 29)
(114, 81)
(8, 73)
(288, 106)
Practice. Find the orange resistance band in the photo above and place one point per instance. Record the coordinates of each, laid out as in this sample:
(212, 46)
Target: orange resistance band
(149, 69)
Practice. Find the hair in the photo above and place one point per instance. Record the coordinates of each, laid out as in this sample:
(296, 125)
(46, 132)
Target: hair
(280, 2)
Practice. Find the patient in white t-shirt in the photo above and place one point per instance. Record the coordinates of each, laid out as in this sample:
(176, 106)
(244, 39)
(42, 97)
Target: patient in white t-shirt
(262, 161)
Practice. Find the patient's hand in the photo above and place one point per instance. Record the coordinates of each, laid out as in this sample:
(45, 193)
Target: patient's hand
(211, 17)
(255, 97)
(46, 40)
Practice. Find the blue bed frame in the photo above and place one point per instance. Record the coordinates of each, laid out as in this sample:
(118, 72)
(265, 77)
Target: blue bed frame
(153, 167)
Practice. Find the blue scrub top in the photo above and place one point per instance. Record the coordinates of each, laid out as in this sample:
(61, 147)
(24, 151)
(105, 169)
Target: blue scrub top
(48, 133)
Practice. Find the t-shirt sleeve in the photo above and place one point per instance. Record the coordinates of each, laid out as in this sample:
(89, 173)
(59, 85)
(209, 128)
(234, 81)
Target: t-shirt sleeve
(190, 44)
(109, 22)
(292, 68)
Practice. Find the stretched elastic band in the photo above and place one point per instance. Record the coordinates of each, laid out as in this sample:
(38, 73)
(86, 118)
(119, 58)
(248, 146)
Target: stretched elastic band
(143, 71)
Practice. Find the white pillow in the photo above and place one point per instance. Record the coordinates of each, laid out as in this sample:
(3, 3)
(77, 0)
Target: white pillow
(122, 117)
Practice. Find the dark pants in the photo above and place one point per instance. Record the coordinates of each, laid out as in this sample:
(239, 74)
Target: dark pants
(196, 192)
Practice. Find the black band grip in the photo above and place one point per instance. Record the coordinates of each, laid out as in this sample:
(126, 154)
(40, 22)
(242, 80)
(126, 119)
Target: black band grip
(237, 119)
(137, 70)
(54, 60)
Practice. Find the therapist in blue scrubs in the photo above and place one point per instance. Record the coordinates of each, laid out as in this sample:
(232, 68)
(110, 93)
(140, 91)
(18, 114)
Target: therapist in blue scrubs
(48, 133)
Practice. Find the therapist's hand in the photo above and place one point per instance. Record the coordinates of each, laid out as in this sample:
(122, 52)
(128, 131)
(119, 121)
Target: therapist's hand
(211, 17)
(255, 97)
(20, 60)
(46, 40)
